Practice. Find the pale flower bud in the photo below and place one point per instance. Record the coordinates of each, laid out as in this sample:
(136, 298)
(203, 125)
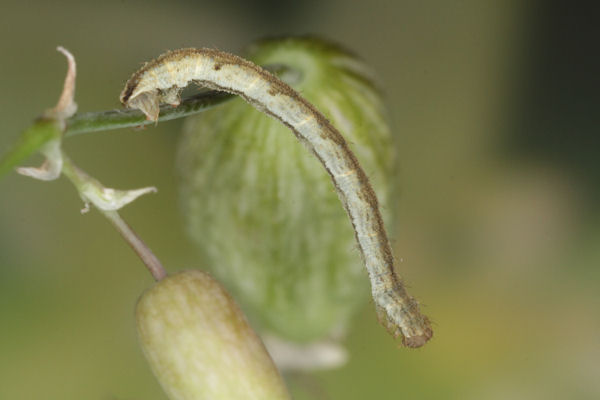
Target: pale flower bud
(199, 344)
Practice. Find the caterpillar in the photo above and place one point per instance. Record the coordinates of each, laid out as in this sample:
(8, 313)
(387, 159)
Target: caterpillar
(161, 81)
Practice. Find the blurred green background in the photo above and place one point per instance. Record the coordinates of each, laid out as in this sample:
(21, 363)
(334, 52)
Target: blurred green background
(498, 224)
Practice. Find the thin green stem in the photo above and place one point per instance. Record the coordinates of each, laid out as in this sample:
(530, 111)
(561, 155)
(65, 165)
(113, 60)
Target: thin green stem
(137, 244)
(116, 119)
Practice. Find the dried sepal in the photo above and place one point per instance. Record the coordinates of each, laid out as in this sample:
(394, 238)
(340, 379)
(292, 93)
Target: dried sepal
(65, 108)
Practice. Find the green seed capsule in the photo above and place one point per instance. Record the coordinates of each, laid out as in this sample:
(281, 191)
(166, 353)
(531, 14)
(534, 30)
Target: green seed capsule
(265, 211)
(199, 344)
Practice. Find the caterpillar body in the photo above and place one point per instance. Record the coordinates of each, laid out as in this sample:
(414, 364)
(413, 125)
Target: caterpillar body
(161, 80)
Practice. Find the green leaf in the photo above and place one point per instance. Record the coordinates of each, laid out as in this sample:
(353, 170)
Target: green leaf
(30, 141)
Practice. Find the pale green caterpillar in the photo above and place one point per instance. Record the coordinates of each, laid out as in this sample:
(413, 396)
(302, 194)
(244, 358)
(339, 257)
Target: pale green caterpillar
(161, 80)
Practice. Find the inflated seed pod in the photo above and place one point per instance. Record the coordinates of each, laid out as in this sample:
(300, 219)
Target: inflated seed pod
(199, 344)
(264, 210)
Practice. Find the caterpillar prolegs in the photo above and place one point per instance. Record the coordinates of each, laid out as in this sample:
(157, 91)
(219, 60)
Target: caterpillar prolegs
(161, 80)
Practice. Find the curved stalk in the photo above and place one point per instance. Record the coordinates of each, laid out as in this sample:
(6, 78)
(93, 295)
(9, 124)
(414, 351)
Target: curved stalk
(92, 191)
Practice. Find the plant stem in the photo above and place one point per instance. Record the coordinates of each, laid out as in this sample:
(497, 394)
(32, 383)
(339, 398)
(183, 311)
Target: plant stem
(137, 244)
(116, 119)
(44, 130)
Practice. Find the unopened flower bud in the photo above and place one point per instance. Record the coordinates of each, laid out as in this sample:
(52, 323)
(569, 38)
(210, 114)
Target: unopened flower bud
(199, 344)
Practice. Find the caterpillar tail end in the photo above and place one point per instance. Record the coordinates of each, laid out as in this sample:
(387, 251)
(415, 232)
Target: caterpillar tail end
(419, 340)
(413, 328)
